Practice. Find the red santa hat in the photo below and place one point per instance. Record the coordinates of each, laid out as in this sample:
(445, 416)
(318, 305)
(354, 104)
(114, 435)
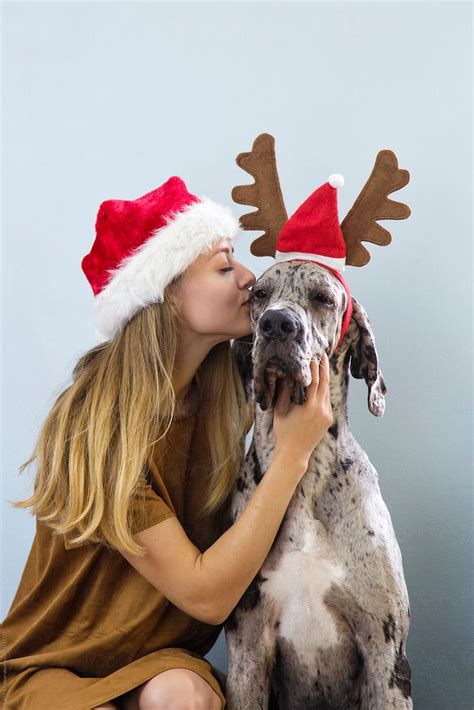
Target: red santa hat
(313, 233)
(142, 245)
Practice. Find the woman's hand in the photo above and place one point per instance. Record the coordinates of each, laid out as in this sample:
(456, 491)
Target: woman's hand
(300, 427)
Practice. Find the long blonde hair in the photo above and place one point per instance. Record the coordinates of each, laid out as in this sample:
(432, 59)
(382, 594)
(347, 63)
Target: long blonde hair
(95, 443)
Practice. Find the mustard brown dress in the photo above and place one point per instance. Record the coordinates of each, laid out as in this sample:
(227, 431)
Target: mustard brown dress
(84, 626)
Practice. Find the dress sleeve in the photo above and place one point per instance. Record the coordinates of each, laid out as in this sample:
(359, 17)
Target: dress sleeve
(146, 508)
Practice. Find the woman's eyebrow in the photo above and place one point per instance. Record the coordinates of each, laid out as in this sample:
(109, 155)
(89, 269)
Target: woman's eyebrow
(226, 249)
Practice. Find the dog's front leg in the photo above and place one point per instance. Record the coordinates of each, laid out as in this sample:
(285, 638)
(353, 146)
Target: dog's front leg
(380, 631)
(380, 634)
(387, 678)
(251, 644)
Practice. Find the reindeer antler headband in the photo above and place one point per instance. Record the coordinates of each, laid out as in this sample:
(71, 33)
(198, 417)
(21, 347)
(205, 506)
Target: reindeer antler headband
(313, 232)
(359, 224)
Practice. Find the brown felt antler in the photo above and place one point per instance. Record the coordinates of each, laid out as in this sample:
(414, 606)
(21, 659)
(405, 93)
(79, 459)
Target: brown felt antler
(360, 222)
(264, 193)
(372, 204)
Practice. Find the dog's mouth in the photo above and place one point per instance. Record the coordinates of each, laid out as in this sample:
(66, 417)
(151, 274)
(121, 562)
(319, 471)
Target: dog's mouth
(276, 367)
(269, 379)
(274, 375)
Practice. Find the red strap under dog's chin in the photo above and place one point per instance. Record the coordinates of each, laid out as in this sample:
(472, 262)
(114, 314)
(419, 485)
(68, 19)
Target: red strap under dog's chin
(348, 312)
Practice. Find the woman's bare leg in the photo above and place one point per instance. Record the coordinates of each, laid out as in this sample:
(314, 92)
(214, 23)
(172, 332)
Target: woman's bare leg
(175, 684)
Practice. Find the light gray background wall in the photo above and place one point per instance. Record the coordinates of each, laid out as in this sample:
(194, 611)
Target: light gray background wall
(107, 100)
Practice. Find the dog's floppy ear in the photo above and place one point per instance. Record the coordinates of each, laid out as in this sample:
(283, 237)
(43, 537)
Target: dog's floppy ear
(242, 349)
(364, 358)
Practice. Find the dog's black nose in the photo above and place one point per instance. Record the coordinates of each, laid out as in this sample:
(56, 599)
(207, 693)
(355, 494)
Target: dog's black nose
(278, 325)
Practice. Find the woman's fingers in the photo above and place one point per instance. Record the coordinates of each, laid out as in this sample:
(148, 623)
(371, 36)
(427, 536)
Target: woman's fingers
(319, 374)
(324, 369)
(313, 386)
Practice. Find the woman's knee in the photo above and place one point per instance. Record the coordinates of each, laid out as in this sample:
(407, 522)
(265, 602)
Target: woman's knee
(178, 689)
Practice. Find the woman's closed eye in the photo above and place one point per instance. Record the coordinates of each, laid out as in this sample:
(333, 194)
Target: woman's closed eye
(228, 268)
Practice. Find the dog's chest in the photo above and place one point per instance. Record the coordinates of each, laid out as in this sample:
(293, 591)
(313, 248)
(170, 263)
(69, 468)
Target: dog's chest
(299, 571)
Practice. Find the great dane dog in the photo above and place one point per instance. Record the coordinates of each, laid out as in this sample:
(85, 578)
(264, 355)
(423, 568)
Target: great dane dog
(325, 621)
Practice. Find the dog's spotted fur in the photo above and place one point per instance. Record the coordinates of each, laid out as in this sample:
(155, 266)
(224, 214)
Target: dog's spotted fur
(324, 623)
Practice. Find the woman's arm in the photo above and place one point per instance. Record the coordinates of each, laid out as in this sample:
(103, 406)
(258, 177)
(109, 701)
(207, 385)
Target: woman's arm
(207, 585)
(235, 558)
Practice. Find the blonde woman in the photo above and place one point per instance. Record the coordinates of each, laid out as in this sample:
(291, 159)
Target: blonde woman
(130, 578)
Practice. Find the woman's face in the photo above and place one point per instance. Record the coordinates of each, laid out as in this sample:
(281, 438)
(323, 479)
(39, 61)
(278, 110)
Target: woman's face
(212, 291)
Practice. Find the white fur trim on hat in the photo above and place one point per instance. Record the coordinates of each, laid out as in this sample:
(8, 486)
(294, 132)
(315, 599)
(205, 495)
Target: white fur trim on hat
(142, 276)
(334, 262)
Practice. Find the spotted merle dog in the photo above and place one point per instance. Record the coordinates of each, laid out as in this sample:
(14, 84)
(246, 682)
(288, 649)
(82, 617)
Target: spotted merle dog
(325, 621)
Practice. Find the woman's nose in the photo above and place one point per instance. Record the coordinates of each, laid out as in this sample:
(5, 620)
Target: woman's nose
(251, 278)
(245, 278)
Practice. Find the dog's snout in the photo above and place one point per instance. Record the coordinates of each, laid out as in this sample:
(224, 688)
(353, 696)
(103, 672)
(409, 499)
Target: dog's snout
(278, 324)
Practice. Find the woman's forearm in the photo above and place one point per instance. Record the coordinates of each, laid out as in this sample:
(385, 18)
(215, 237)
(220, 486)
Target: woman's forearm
(231, 563)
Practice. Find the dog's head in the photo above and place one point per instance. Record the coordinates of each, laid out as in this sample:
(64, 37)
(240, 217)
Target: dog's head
(296, 310)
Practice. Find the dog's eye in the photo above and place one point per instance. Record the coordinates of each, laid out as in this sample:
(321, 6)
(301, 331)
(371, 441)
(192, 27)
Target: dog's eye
(321, 298)
(259, 293)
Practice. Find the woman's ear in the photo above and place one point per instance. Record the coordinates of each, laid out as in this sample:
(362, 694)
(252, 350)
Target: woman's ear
(364, 359)
(242, 349)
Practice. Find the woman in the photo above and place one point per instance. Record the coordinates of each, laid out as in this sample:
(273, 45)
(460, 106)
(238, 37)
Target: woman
(130, 578)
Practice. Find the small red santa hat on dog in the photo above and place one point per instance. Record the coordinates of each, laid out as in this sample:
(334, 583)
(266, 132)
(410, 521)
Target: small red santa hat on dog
(142, 245)
(313, 233)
